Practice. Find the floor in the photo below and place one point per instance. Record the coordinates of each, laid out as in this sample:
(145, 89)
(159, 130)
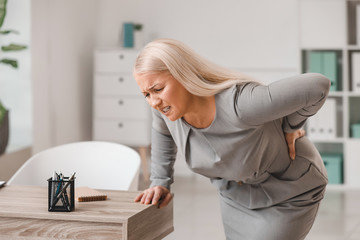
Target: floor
(197, 212)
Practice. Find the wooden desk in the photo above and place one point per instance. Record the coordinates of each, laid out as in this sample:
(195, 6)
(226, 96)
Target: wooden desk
(24, 215)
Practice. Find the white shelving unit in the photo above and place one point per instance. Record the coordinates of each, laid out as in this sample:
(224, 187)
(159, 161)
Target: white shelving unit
(329, 25)
(120, 112)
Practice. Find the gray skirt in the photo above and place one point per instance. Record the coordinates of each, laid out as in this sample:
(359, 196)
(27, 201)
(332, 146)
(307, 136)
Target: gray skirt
(286, 221)
(282, 207)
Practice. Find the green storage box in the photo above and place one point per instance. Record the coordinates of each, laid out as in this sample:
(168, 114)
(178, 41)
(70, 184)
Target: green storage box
(334, 167)
(355, 130)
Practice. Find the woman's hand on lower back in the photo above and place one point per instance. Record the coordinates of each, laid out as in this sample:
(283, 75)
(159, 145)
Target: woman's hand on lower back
(290, 140)
(157, 195)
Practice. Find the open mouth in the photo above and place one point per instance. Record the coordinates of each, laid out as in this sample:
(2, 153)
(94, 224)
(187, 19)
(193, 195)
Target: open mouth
(166, 109)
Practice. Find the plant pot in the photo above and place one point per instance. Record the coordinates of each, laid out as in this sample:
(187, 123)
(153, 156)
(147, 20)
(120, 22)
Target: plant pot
(4, 133)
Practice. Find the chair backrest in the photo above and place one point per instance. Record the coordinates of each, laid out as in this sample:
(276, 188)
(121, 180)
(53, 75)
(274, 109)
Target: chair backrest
(99, 165)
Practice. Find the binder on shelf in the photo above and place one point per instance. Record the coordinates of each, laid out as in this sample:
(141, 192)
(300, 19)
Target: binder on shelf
(330, 69)
(355, 71)
(357, 24)
(323, 124)
(312, 127)
(325, 62)
(355, 130)
(315, 62)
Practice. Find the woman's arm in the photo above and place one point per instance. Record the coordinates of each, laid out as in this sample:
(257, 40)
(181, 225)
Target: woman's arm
(294, 99)
(163, 154)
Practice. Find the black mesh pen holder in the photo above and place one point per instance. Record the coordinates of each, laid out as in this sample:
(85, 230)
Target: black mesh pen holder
(61, 195)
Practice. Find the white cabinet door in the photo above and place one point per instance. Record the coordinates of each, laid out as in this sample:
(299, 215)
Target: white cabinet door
(122, 107)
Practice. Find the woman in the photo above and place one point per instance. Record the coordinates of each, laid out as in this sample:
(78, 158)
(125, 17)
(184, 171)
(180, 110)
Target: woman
(238, 133)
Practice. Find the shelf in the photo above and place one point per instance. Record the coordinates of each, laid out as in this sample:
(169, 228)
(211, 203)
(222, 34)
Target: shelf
(336, 94)
(341, 94)
(353, 47)
(352, 94)
(340, 187)
(335, 140)
(321, 48)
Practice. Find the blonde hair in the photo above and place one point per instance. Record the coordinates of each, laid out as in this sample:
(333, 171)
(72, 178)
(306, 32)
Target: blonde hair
(198, 75)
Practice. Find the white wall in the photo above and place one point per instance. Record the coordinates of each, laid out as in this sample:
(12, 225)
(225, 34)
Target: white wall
(254, 36)
(64, 35)
(259, 37)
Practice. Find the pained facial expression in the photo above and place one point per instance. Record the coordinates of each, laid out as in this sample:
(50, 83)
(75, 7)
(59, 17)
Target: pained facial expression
(165, 94)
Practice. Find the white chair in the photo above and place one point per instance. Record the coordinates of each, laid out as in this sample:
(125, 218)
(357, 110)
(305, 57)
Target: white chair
(99, 165)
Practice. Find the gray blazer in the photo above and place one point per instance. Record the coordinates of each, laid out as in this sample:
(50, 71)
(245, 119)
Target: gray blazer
(246, 142)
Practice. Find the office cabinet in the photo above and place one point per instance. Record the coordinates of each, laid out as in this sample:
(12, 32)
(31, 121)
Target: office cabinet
(120, 112)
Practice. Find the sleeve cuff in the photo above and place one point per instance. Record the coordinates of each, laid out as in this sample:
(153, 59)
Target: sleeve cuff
(288, 128)
(161, 182)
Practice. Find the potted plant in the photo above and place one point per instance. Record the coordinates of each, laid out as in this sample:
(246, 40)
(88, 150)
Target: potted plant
(4, 113)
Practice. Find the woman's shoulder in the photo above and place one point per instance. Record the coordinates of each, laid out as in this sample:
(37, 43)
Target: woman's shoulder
(235, 90)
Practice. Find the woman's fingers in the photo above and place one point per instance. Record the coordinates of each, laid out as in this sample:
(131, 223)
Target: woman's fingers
(155, 195)
(166, 200)
(138, 197)
(292, 150)
(290, 140)
(302, 131)
(148, 196)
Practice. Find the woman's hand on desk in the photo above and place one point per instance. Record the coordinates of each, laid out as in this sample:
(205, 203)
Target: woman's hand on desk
(157, 195)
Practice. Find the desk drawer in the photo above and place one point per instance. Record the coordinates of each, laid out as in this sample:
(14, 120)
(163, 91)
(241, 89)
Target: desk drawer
(114, 84)
(122, 107)
(115, 60)
(131, 132)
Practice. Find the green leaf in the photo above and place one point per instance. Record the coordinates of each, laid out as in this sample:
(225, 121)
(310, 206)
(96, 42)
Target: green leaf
(11, 62)
(3, 32)
(138, 27)
(2, 112)
(2, 11)
(13, 47)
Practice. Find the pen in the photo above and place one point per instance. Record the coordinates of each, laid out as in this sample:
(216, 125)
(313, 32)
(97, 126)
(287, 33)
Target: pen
(63, 189)
(59, 184)
(66, 185)
(66, 200)
(53, 186)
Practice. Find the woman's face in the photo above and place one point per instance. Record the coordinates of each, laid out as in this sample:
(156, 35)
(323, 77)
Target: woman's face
(165, 94)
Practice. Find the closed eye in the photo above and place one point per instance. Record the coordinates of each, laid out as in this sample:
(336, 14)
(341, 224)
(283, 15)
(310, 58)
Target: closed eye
(158, 90)
(146, 95)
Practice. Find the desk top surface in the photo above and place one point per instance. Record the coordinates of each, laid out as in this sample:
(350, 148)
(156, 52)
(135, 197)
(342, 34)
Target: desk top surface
(32, 202)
